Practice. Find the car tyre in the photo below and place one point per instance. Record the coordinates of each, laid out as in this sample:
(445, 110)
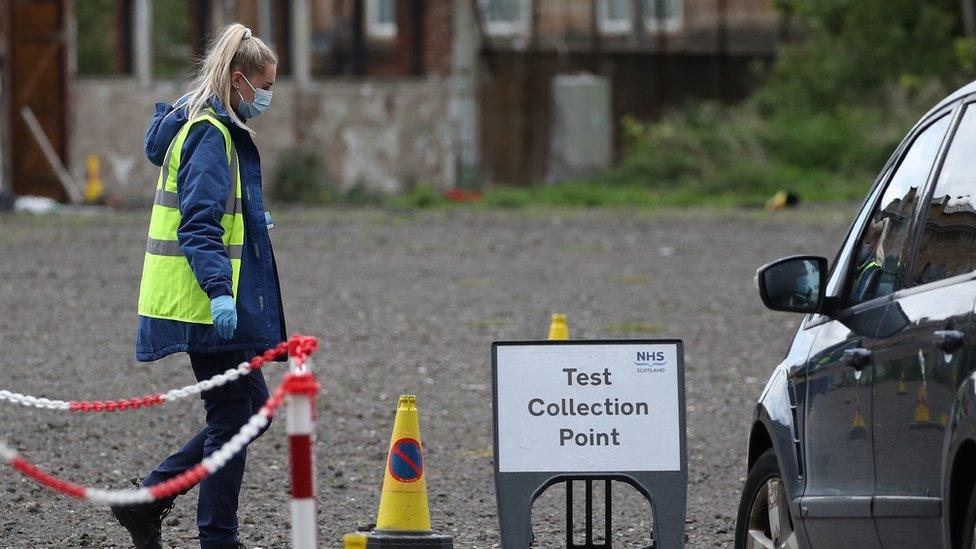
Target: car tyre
(969, 527)
(764, 519)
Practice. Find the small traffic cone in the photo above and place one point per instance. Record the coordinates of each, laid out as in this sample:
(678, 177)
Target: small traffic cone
(782, 200)
(922, 414)
(902, 386)
(94, 190)
(559, 329)
(857, 426)
(943, 420)
(403, 519)
(857, 430)
(923, 417)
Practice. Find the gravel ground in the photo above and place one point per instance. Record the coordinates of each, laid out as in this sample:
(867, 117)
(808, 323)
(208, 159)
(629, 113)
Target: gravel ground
(403, 303)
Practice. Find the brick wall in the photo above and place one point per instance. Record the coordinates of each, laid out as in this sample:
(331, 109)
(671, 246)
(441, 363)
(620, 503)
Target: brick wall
(752, 28)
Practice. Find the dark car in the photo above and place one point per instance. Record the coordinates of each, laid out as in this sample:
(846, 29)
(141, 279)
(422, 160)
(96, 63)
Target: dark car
(865, 434)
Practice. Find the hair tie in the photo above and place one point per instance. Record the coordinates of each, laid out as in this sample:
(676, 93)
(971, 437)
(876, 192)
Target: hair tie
(247, 33)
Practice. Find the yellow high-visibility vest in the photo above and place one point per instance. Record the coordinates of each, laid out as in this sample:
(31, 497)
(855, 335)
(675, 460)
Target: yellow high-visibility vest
(169, 290)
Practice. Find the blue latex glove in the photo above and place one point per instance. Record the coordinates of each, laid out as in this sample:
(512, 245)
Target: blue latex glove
(224, 313)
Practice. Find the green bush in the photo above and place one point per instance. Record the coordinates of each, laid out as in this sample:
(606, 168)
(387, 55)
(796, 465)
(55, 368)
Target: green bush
(300, 177)
(710, 153)
(94, 46)
(360, 195)
(423, 195)
(853, 50)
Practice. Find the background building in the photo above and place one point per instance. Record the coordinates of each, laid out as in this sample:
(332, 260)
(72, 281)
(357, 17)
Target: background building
(389, 93)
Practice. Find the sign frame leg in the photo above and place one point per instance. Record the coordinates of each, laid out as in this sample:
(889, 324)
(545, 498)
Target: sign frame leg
(515, 508)
(665, 491)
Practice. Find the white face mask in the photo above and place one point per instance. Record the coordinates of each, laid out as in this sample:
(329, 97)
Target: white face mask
(262, 100)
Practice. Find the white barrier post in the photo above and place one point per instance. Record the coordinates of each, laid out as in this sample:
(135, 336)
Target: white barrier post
(300, 425)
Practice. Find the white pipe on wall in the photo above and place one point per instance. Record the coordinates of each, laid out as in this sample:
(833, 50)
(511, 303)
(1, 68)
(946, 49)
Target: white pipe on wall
(301, 41)
(142, 38)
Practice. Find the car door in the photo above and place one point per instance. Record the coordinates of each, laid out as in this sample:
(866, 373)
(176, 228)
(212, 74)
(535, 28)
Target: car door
(917, 368)
(837, 503)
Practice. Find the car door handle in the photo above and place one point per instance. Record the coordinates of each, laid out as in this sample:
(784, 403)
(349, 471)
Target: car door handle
(856, 358)
(948, 340)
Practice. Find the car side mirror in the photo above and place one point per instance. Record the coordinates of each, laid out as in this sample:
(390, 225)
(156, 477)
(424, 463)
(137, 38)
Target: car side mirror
(793, 284)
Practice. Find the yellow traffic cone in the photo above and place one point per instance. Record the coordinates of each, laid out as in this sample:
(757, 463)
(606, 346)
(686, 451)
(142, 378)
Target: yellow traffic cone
(902, 386)
(943, 420)
(403, 503)
(94, 190)
(403, 516)
(857, 430)
(922, 415)
(777, 202)
(782, 200)
(354, 541)
(559, 329)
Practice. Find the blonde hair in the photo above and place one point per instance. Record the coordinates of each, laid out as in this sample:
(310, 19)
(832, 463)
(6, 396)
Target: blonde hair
(234, 49)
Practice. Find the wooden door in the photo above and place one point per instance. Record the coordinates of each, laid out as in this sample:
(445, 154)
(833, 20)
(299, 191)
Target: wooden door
(37, 54)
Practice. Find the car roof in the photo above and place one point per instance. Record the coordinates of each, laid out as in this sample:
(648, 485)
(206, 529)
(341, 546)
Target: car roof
(955, 96)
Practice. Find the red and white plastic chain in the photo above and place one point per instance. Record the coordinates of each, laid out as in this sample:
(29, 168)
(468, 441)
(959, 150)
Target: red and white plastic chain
(293, 383)
(298, 347)
(178, 484)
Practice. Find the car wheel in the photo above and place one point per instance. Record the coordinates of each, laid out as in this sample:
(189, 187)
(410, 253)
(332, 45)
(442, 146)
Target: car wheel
(969, 527)
(764, 520)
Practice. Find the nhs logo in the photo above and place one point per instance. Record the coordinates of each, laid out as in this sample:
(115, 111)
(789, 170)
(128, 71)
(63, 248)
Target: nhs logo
(650, 362)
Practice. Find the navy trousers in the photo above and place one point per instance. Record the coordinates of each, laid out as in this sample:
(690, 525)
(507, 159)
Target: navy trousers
(228, 409)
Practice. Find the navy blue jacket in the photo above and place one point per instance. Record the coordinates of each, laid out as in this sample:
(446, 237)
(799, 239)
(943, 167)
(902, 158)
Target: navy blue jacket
(202, 182)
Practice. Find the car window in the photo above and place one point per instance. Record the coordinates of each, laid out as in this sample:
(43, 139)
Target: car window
(948, 243)
(837, 272)
(880, 253)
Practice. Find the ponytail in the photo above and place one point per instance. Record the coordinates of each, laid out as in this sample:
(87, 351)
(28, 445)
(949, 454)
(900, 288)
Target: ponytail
(234, 49)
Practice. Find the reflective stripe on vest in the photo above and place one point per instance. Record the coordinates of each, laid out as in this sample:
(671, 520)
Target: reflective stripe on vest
(169, 289)
(172, 248)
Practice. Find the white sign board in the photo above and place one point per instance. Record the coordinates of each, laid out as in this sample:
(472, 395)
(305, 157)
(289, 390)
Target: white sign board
(588, 408)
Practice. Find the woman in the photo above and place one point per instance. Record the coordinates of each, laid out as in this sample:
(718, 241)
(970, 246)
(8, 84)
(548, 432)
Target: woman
(209, 282)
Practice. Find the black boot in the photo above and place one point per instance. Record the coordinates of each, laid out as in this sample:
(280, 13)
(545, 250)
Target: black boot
(144, 522)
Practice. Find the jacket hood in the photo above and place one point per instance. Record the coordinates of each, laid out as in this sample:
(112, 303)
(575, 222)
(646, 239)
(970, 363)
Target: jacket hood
(166, 123)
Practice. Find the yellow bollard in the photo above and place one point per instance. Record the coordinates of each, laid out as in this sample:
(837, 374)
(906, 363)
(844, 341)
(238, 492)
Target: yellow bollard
(94, 190)
(559, 329)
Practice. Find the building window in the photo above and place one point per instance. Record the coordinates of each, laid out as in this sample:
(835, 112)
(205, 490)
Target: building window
(381, 18)
(506, 17)
(614, 16)
(663, 15)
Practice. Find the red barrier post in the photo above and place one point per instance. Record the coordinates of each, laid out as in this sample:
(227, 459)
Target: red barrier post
(301, 391)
